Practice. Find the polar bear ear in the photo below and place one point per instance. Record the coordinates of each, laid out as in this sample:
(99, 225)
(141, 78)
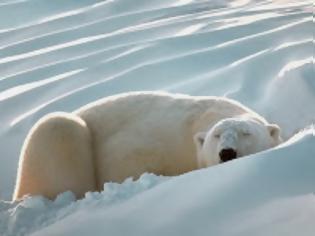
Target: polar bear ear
(274, 130)
(199, 139)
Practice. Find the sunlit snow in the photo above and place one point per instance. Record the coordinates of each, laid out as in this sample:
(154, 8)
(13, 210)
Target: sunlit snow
(60, 55)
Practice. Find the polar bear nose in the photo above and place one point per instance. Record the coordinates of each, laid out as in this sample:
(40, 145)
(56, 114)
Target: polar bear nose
(227, 154)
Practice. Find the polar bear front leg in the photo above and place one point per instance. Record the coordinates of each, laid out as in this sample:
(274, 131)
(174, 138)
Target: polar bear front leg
(56, 157)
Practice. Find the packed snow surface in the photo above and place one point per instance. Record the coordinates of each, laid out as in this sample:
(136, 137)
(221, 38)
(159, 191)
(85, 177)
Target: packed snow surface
(59, 55)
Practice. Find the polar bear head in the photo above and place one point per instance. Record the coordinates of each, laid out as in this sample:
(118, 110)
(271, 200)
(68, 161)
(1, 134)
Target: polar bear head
(233, 138)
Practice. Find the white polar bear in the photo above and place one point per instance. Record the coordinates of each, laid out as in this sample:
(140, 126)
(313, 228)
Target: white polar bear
(128, 134)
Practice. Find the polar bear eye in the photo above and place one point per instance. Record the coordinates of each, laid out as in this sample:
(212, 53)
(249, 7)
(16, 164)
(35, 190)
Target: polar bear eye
(246, 134)
(217, 135)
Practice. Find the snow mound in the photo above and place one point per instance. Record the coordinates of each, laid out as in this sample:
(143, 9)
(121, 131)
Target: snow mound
(297, 84)
(248, 196)
(238, 194)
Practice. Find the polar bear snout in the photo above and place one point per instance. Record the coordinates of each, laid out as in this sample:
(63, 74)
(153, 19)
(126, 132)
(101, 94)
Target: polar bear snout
(227, 154)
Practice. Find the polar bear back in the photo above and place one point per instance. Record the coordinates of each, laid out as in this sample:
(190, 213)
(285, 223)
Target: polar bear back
(150, 132)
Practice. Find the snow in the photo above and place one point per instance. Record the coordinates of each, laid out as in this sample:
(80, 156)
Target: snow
(34, 213)
(60, 55)
(251, 196)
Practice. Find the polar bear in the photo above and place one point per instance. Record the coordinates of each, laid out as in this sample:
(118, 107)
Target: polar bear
(128, 134)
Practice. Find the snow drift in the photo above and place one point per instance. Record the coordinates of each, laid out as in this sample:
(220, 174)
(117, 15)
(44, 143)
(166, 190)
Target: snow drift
(60, 55)
(269, 193)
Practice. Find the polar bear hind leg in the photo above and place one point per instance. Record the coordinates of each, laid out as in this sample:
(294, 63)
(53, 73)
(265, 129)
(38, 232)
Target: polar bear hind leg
(56, 157)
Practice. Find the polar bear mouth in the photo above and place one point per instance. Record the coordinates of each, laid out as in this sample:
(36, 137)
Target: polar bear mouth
(227, 154)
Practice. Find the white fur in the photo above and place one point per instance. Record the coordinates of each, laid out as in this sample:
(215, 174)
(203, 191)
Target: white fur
(56, 157)
(242, 134)
(129, 134)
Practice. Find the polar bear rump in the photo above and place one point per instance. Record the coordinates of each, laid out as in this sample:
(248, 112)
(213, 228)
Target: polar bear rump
(56, 157)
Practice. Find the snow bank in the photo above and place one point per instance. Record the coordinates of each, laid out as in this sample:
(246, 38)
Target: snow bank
(270, 193)
(296, 104)
(34, 213)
